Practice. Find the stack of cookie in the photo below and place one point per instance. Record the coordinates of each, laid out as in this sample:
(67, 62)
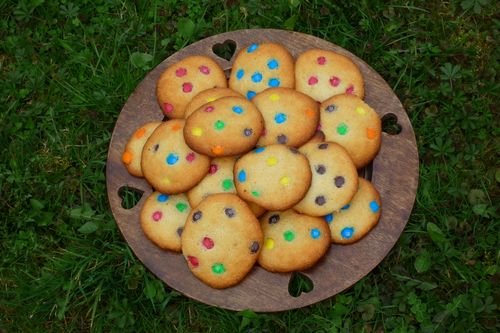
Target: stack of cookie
(281, 140)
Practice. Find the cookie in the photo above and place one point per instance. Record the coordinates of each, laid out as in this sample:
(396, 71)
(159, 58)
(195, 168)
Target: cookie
(226, 127)
(218, 180)
(358, 217)
(322, 74)
(353, 124)
(275, 177)
(292, 241)
(221, 240)
(163, 217)
(132, 154)
(168, 164)
(208, 96)
(334, 179)
(261, 66)
(180, 82)
(290, 117)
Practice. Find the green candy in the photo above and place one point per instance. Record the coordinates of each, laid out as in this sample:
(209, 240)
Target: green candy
(181, 206)
(342, 129)
(227, 184)
(289, 235)
(218, 269)
(219, 125)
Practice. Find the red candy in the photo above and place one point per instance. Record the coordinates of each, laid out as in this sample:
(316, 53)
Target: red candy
(208, 243)
(321, 60)
(312, 80)
(193, 261)
(350, 89)
(167, 108)
(187, 87)
(180, 72)
(334, 81)
(190, 157)
(157, 216)
(204, 69)
(209, 109)
(213, 169)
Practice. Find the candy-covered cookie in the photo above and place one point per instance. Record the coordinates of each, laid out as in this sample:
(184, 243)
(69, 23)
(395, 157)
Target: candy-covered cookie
(290, 117)
(356, 218)
(218, 180)
(292, 241)
(132, 154)
(163, 217)
(225, 127)
(261, 66)
(221, 240)
(353, 124)
(322, 74)
(180, 82)
(334, 179)
(168, 164)
(275, 177)
(208, 96)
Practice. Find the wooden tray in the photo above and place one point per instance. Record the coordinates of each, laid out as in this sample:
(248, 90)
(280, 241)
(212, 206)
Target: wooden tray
(394, 172)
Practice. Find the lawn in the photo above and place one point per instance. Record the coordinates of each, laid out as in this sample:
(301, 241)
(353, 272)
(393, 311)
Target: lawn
(67, 69)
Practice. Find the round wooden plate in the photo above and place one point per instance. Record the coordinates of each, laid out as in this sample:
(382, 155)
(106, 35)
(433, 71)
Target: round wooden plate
(394, 173)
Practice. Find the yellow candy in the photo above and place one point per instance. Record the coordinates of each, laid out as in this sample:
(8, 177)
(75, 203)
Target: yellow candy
(360, 110)
(284, 180)
(269, 243)
(274, 97)
(210, 99)
(197, 131)
(272, 161)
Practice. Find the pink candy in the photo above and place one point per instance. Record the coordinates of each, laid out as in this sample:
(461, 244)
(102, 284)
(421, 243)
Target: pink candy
(312, 80)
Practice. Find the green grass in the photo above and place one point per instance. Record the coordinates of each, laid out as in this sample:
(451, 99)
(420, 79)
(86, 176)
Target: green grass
(67, 69)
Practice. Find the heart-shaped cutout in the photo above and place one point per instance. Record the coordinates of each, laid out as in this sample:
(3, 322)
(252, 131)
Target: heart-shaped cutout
(298, 284)
(225, 50)
(390, 124)
(130, 196)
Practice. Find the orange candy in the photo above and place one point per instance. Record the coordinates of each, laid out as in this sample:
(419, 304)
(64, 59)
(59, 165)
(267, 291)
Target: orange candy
(217, 150)
(176, 127)
(309, 113)
(127, 157)
(371, 133)
(140, 133)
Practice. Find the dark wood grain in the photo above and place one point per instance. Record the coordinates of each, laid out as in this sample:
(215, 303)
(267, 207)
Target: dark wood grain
(394, 173)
